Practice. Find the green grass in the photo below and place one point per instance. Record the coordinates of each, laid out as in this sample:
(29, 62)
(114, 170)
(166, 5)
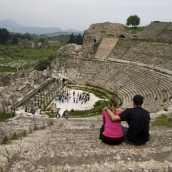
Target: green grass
(103, 92)
(96, 44)
(110, 35)
(5, 116)
(7, 69)
(63, 39)
(135, 30)
(97, 110)
(163, 120)
(25, 57)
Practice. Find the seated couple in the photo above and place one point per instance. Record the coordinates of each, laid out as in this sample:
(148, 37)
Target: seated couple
(113, 133)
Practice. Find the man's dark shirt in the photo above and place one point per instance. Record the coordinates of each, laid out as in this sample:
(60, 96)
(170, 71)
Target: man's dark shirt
(138, 121)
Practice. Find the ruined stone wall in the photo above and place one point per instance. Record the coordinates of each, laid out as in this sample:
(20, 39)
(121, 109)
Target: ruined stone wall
(96, 32)
(71, 49)
(16, 86)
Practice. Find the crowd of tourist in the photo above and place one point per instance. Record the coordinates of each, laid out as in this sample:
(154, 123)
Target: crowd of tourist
(65, 96)
(72, 97)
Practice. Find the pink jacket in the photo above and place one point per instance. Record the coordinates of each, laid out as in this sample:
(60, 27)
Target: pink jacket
(112, 129)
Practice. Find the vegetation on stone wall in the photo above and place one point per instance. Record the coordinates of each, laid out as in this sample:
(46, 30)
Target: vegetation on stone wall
(163, 120)
(5, 116)
(95, 46)
(110, 35)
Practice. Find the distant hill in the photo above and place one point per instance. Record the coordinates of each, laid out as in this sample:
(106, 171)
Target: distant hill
(12, 26)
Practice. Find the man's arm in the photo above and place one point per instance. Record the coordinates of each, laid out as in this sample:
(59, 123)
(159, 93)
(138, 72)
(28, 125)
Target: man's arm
(112, 115)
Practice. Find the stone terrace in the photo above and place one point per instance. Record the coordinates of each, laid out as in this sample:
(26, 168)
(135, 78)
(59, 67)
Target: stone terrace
(157, 54)
(73, 145)
(20, 126)
(128, 80)
(153, 30)
(167, 34)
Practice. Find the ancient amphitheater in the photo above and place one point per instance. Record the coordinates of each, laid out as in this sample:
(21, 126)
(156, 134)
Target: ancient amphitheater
(124, 62)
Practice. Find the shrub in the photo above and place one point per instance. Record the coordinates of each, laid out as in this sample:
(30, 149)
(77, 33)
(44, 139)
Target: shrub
(42, 65)
(96, 44)
(164, 100)
(110, 35)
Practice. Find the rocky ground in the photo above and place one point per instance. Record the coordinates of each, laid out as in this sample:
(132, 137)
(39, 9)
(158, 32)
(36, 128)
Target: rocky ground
(73, 145)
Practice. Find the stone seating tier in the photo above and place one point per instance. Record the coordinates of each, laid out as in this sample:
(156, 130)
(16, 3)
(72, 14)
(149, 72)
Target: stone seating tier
(153, 30)
(131, 79)
(157, 54)
(74, 145)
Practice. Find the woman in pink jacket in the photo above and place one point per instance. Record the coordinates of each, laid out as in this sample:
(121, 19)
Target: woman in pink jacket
(111, 131)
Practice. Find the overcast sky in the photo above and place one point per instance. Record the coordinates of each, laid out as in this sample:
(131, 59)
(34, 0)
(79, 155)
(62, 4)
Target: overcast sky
(80, 14)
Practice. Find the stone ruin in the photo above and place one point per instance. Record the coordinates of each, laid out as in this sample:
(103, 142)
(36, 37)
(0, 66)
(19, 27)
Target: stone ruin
(31, 88)
(71, 50)
(97, 32)
(73, 145)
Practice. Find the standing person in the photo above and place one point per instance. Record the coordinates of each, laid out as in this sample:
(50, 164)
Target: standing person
(111, 132)
(66, 114)
(57, 115)
(138, 120)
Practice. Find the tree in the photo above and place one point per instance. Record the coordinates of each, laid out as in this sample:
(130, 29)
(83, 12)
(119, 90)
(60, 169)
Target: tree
(79, 40)
(26, 36)
(71, 39)
(133, 20)
(14, 40)
(41, 39)
(42, 65)
(4, 36)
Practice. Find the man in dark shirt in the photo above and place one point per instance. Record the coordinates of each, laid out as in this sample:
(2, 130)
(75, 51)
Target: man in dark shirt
(138, 121)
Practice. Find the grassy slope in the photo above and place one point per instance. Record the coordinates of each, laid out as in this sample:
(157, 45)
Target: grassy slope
(26, 57)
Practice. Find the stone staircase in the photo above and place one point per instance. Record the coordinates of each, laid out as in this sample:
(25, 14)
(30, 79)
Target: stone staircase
(73, 145)
(106, 46)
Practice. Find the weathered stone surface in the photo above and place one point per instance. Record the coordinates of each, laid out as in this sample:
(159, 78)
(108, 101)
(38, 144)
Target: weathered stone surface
(73, 145)
(98, 31)
(71, 49)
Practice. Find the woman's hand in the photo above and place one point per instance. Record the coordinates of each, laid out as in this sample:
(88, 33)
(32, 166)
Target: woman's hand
(106, 108)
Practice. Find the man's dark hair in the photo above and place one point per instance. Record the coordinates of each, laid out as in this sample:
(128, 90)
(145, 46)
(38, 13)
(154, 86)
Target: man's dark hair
(138, 100)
